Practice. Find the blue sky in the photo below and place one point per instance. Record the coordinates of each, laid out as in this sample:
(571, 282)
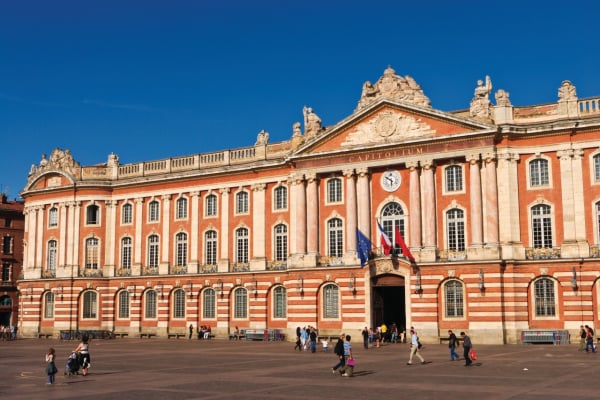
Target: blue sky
(155, 79)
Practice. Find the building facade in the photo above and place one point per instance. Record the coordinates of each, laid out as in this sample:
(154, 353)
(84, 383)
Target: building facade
(12, 223)
(499, 206)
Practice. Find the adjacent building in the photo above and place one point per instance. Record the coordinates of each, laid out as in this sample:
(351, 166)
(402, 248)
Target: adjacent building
(492, 214)
(12, 223)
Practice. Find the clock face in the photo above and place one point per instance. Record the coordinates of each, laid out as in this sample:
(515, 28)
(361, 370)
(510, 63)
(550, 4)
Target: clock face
(390, 180)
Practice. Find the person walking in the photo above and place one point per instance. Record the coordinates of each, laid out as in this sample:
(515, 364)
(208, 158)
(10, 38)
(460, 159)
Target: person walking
(339, 352)
(191, 330)
(582, 337)
(414, 348)
(83, 351)
(348, 369)
(467, 345)
(452, 344)
(51, 369)
(313, 340)
(589, 340)
(365, 335)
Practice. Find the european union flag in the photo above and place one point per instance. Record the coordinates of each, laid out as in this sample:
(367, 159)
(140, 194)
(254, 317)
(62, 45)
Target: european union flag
(363, 245)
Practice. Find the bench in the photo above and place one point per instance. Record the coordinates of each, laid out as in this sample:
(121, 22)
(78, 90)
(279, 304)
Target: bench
(120, 334)
(147, 334)
(42, 335)
(175, 335)
(240, 336)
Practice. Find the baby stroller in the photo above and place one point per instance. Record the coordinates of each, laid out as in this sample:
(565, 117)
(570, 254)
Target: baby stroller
(73, 365)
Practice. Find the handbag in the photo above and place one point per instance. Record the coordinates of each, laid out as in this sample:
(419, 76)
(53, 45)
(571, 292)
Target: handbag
(473, 355)
(351, 362)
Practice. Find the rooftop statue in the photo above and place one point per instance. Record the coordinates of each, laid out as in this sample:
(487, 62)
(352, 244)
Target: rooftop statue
(312, 122)
(480, 105)
(394, 87)
(567, 92)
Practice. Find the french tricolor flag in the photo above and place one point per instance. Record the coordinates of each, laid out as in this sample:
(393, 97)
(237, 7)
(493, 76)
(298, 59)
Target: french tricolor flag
(386, 243)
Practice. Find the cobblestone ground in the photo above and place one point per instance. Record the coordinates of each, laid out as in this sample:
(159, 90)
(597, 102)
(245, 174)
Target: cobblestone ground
(221, 369)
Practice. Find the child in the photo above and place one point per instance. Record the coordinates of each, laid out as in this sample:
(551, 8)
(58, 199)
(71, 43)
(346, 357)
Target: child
(50, 366)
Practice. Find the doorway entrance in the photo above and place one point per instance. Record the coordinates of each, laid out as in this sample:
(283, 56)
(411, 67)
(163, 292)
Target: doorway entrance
(389, 305)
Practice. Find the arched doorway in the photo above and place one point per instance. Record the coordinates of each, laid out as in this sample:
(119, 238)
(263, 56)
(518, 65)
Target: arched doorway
(5, 311)
(388, 300)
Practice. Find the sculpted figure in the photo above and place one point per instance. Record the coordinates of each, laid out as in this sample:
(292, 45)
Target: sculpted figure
(567, 92)
(263, 137)
(296, 129)
(480, 105)
(312, 122)
(502, 98)
(43, 161)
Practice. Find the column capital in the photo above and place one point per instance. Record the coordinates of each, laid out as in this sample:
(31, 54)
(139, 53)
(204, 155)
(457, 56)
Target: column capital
(195, 193)
(166, 197)
(362, 172)
(412, 164)
(427, 164)
(348, 173)
(508, 156)
(311, 176)
(564, 155)
(472, 158)
(258, 187)
(225, 191)
(139, 200)
(110, 203)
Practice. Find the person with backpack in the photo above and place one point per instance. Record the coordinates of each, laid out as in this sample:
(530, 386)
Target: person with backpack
(339, 352)
(452, 344)
(589, 340)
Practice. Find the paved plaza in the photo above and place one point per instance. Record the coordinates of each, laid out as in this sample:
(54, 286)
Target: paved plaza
(184, 369)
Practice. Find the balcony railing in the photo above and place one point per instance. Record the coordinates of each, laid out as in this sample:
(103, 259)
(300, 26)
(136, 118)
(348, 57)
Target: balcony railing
(150, 271)
(178, 269)
(207, 269)
(452, 255)
(240, 267)
(277, 265)
(91, 272)
(329, 261)
(123, 272)
(543, 253)
(595, 251)
(48, 273)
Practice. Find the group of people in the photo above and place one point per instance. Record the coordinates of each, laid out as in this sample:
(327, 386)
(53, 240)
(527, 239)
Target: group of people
(586, 333)
(374, 337)
(453, 343)
(306, 338)
(203, 331)
(8, 332)
(79, 359)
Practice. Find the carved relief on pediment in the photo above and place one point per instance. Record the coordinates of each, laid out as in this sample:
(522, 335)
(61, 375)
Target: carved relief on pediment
(59, 160)
(388, 127)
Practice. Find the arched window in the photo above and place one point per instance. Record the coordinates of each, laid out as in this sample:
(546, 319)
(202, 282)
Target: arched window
(53, 217)
(150, 304)
(126, 214)
(181, 249)
(211, 205)
(92, 215)
(279, 302)
(51, 257)
(49, 305)
(153, 211)
(123, 304)
(90, 305)
(392, 217)
(241, 245)
(455, 229)
(334, 190)
(179, 303)
(240, 306)
(541, 226)
(453, 299)
(331, 301)
(454, 179)
(280, 194)
(91, 253)
(210, 241)
(126, 253)
(153, 247)
(241, 202)
(538, 172)
(335, 237)
(209, 304)
(545, 298)
(182, 208)
(281, 242)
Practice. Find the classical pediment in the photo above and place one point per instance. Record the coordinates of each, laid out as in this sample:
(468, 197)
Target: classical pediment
(387, 127)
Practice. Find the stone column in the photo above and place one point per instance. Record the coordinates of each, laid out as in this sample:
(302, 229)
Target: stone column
(138, 241)
(429, 212)
(508, 206)
(258, 261)
(76, 260)
(223, 263)
(568, 178)
(31, 230)
(297, 220)
(111, 239)
(474, 249)
(414, 239)
(579, 204)
(363, 201)
(62, 237)
(39, 237)
(70, 233)
(163, 267)
(490, 229)
(350, 257)
(193, 264)
(312, 219)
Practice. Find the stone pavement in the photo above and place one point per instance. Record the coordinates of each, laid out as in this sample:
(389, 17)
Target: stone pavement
(221, 369)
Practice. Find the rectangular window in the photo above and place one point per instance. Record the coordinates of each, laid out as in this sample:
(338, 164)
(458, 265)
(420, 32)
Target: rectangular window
(334, 190)
(53, 217)
(7, 245)
(49, 306)
(5, 272)
(150, 311)
(209, 304)
(211, 205)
